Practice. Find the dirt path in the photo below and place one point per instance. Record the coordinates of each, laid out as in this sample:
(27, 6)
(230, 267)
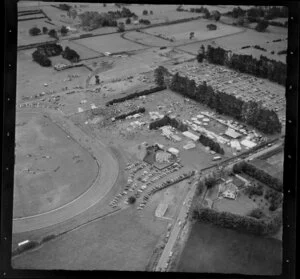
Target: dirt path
(106, 178)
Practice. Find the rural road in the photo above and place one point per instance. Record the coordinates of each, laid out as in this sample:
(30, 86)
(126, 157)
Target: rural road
(109, 169)
(176, 229)
(165, 256)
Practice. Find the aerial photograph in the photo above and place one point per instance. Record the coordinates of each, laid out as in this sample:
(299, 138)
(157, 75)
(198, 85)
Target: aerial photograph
(149, 137)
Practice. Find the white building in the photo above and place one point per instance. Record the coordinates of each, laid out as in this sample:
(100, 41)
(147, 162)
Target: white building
(173, 151)
(248, 143)
(189, 145)
(190, 135)
(232, 133)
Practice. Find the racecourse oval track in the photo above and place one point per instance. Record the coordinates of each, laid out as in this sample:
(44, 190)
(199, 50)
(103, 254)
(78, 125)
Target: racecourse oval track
(109, 169)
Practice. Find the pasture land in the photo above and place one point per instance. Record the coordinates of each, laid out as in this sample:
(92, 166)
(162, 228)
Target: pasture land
(250, 37)
(31, 77)
(181, 31)
(84, 52)
(218, 250)
(51, 169)
(24, 38)
(241, 206)
(122, 241)
(109, 43)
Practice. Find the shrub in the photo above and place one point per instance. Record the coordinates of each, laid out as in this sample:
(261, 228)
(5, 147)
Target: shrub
(257, 213)
(132, 199)
(52, 33)
(64, 30)
(48, 238)
(70, 55)
(145, 12)
(128, 20)
(45, 30)
(262, 26)
(145, 21)
(211, 26)
(34, 31)
(121, 27)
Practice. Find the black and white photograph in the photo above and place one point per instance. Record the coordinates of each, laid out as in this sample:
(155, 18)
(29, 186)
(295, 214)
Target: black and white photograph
(150, 137)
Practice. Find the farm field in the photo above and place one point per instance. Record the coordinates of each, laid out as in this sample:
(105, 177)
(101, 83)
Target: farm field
(24, 38)
(181, 31)
(84, 52)
(219, 250)
(109, 43)
(29, 84)
(241, 206)
(104, 246)
(51, 170)
(250, 37)
(90, 199)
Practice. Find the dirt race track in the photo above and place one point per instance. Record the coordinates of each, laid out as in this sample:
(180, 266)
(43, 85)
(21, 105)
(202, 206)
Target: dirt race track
(102, 184)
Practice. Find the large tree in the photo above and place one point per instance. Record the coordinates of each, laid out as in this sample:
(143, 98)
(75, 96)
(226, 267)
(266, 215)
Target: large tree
(34, 31)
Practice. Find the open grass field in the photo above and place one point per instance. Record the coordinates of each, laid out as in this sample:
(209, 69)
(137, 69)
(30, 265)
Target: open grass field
(213, 249)
(51, 169)
(250, 37)
(84, 52)
(241, 206)
(123, 241)
(109, 43)
(181, 31)
(24, 38)
(31, 76)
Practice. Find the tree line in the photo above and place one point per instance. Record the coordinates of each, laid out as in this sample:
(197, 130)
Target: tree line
(124, 115)
(263, 67)
(213, 145)
(92, 20)
(262, 226)
(258, 174)
(41, 54)
(261, 15)
(166, 120)
(135, 95)
(252, 113)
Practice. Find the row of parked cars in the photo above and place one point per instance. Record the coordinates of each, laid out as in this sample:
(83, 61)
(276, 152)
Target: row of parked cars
(171, 169)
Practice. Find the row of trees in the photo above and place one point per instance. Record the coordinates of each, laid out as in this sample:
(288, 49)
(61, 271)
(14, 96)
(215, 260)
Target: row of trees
(35, 31)
(124, 115)
(216, 15)
(213, 145)
(145, 12)
(136, 94)
(92, 20)
(166, 120)
(262, 67)
(145, 21)
(275, 199)
(251, 113)
(40, 58)
(262, 226)
(41, 54)
(258, 174)
(70, 54)
(256, 13)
